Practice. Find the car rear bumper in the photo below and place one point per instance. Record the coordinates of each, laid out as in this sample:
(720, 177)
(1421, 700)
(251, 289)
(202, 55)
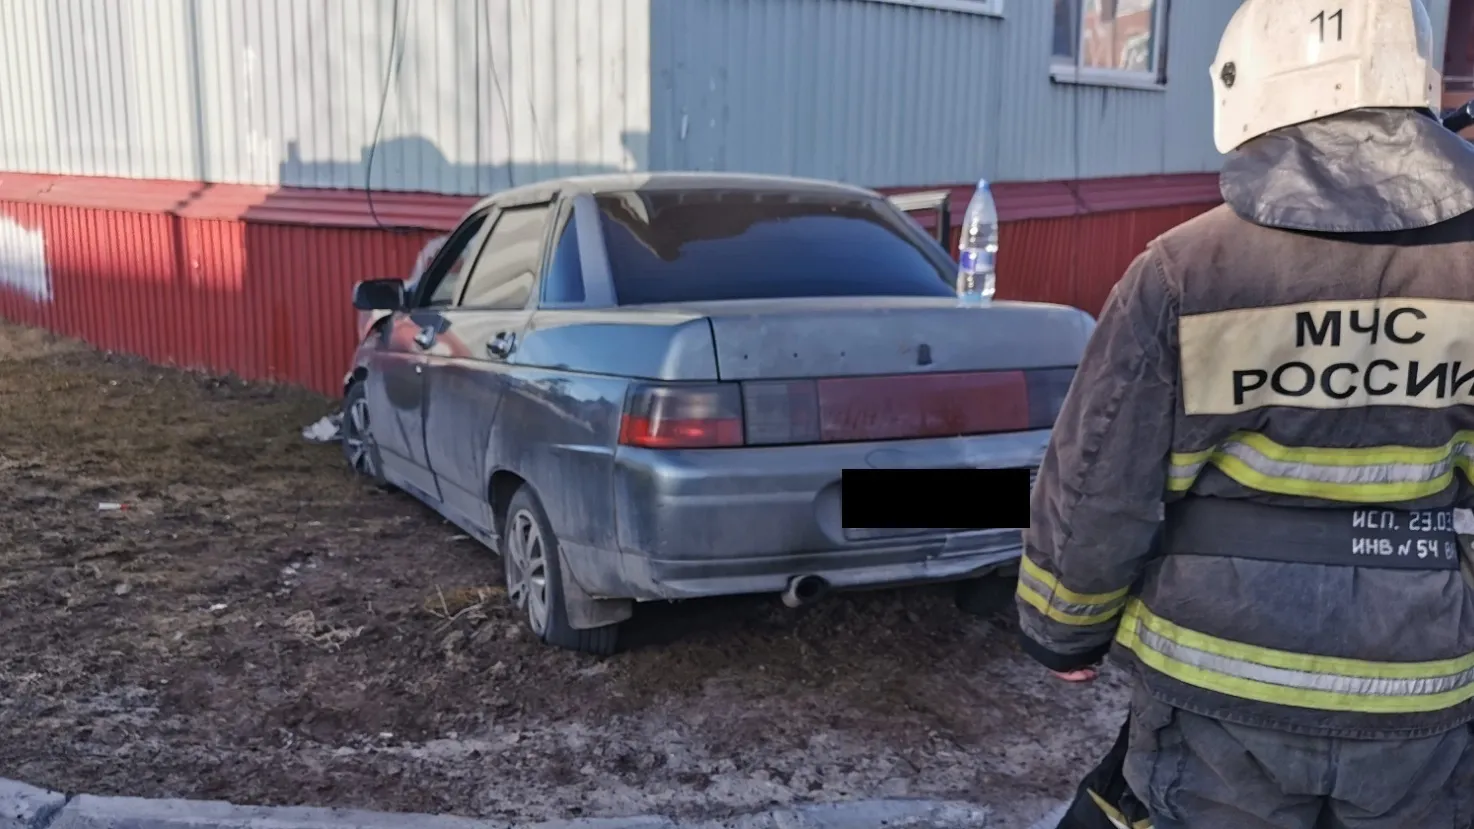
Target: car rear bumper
(609, 574)
(718, 522)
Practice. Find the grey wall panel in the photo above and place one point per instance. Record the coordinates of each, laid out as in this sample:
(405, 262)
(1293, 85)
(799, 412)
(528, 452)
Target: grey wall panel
(486, 92)
(490, 93)
(889, 94)
(861, 91)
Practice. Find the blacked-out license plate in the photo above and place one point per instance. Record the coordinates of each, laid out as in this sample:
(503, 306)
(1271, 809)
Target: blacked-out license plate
(911, 501)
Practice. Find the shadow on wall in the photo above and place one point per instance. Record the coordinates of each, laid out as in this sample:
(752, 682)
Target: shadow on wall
(264, 296)
(296, 275)
(415, 164)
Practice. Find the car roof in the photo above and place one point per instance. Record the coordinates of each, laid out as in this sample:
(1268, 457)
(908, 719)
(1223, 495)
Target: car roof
(668, 182)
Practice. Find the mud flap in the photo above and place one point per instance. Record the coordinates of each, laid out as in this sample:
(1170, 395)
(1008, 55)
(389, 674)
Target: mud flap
(1104, 800)
(586, 612)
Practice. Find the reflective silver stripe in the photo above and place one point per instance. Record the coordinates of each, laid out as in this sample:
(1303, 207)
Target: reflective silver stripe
(1380, 473)
(1070, 608)
(1299, 680)
(1399, 472)
(1191, 470)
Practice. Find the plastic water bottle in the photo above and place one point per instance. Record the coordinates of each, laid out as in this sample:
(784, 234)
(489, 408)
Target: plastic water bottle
(977, 250)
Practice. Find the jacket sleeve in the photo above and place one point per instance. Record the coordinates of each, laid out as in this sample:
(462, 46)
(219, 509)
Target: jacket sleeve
(1097, 502)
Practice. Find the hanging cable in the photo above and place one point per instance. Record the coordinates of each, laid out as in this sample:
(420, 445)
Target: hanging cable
(496, 81)
(537, 132)
(391, 71)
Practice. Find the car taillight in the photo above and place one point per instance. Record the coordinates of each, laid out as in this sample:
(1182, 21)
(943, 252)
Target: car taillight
(1047, 390)
(922, 405)
(785, 411)
(842, 409)
(681, 416)
(897, 407)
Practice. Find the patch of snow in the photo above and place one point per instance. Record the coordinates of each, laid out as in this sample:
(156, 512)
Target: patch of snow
(23, 265)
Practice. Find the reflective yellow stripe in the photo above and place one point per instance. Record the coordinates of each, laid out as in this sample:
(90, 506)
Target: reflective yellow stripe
(1043, 592)
(1184, 467)
(1376, 474)
(1041, 604)
(1052, 584)
(1115, 816)
(1299, 680)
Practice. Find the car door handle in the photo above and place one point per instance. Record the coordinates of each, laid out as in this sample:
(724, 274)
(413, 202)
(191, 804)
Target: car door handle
(426, 337)
(502, 344)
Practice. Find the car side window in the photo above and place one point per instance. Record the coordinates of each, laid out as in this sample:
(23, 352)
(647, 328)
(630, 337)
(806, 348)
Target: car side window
(446, 275)
(563, 283)
(504, 275)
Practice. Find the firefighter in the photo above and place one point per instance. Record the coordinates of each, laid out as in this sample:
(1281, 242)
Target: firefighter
(1285, 385)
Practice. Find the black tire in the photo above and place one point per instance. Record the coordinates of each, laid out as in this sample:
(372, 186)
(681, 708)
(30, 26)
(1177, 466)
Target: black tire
(990, 596)
(360, 449)
(548, 616)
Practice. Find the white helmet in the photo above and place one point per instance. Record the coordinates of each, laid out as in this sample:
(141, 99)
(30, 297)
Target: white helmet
(1284, 62)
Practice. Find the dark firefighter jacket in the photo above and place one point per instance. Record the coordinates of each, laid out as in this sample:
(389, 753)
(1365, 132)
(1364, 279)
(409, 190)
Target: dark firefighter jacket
(1304, 351)
(1104, 799)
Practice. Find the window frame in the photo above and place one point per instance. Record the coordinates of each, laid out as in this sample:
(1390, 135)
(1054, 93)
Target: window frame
(598, 275)
(985, 8)
(550, 206)
(564, 221)
(1072, 71)
(434, 272)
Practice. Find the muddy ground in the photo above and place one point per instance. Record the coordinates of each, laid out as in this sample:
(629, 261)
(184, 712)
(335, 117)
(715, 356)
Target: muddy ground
(258, 626)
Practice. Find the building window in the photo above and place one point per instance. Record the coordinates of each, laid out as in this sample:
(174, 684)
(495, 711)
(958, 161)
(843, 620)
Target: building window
(1114, 42)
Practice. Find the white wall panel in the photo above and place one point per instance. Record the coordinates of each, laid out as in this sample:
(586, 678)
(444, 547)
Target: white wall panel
(485, 93)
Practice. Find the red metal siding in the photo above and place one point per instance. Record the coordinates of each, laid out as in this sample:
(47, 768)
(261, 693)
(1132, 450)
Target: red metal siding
(257, 284)
(1077, 260)
(265, 302)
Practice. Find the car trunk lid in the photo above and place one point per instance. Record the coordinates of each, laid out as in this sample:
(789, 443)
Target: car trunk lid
(820, 371)
(859, 337)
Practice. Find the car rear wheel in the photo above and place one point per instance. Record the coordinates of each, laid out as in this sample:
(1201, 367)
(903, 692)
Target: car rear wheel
(534, 567)
(359, 448)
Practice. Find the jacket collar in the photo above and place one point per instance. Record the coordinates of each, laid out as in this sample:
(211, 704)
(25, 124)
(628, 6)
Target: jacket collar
(1366, 171)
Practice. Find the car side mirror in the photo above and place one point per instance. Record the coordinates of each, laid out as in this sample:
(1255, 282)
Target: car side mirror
(379, 295)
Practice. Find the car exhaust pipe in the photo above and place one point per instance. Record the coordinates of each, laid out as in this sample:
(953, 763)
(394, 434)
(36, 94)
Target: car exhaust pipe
(804, 590)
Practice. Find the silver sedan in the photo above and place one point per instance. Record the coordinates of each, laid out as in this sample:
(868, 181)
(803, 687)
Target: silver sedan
(647, 388)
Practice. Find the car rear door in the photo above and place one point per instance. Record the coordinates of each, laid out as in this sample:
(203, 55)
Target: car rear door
(395, 387)
(469, 369)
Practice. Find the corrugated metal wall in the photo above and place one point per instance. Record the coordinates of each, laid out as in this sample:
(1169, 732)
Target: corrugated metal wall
(270, 301)
(226, 296)
(887, 94)
(1438, 11)
(486, 93)
(1078, 260)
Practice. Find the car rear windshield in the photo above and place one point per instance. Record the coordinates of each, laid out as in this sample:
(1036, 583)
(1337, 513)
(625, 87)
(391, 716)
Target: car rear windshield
(696, 246)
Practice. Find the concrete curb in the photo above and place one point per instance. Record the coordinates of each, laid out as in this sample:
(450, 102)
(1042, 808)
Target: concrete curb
(28, 807)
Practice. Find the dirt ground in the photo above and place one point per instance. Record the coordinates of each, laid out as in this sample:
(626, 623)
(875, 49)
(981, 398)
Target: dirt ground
(258, 626)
